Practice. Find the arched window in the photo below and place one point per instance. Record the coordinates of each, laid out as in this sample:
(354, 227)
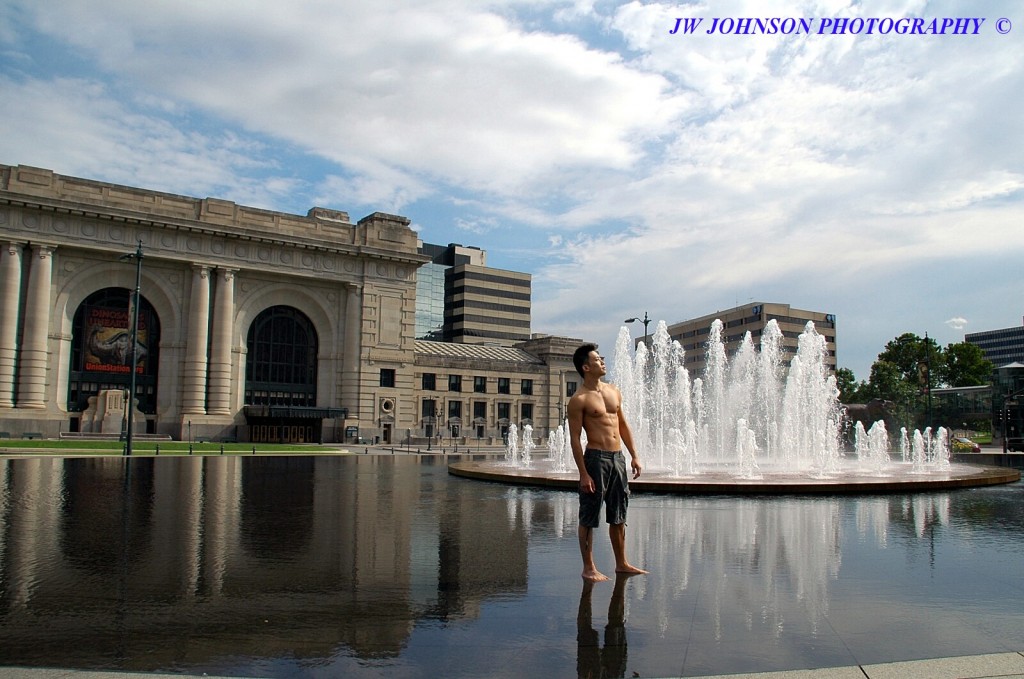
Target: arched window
(280, 367)
(101, 349)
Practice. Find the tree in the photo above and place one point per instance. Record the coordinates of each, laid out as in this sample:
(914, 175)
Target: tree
(965, 365)
(914, 357)
(889, 382)
(909, 366)
(903, 373)
(850, 390)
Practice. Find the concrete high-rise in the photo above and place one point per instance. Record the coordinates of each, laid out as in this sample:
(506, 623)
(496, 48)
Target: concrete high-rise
(693, 334)
(461, 299)
(1002, 346)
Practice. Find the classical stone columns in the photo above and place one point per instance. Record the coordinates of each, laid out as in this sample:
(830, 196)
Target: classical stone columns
(10, 298)
(34, 352)
(220, 350)
(350, 355)
(208, 354)
(193, 398)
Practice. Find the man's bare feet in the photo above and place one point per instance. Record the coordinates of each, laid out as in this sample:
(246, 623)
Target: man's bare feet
(594, 575)
(630, 569)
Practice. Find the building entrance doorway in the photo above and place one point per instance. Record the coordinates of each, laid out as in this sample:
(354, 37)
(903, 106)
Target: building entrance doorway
(266, 430)
(101, 353)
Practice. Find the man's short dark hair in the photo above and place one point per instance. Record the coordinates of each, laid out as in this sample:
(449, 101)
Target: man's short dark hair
(582, 355)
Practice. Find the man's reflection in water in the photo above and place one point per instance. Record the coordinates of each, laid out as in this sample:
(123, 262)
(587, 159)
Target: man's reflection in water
(593, 660)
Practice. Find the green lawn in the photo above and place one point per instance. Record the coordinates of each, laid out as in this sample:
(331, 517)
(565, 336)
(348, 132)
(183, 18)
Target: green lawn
(165, 448)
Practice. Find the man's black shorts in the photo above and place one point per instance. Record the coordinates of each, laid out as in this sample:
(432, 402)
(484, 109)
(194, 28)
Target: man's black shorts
(611, 486)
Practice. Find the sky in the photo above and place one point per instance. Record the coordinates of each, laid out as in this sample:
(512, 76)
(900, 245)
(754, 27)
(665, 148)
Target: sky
(875, 176)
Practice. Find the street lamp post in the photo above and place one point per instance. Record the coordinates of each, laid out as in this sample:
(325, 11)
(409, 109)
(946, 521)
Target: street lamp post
(643, 320)
(928, 376)
(1006, 420)
(134, 339)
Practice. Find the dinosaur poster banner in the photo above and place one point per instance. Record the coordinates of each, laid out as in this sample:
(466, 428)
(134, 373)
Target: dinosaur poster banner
(108, 339)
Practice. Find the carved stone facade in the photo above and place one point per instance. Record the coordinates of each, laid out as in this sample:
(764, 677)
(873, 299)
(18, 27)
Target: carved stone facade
(231, 297)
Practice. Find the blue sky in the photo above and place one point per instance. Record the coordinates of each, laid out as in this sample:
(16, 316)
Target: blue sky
(876, 177)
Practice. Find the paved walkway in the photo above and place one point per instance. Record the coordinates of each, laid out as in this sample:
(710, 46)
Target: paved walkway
(1001, 665)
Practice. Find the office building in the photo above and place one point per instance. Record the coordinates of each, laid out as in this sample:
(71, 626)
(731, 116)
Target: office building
(430, 284)
(486, 306)
(693, 334)
(1000, 346)
(461, 299)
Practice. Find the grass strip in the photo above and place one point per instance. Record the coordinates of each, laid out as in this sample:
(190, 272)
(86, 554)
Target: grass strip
(43, 447)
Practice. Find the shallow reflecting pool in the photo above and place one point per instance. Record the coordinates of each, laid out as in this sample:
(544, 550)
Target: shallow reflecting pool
(387, 566)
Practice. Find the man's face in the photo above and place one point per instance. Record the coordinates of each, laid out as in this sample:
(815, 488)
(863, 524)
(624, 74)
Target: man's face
(595, 364)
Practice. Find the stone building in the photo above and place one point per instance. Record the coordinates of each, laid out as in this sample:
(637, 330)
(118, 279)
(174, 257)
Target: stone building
(252, 324)
(474, 392)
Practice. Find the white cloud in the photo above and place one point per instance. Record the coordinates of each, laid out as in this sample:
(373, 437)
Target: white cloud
(445, 90)
(683, 174)
(477, 226)
(957, 323)
(90, 133)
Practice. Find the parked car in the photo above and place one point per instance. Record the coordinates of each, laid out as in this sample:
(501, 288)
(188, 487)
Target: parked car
(1015, 444)
(962, 444)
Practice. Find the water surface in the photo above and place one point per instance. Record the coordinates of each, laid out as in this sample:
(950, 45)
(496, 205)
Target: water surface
(372, 566)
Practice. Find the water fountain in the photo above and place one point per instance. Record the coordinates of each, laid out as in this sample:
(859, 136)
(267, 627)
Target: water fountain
(512, 446)
(748, 424)
(519, 447)
(745, 417)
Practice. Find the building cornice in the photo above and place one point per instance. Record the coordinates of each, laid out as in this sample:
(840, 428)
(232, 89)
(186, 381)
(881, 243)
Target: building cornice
(379, 236)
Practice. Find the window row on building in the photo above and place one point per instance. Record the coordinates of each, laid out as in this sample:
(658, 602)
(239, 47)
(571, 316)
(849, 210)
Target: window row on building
(502, 385)
(1002, 346)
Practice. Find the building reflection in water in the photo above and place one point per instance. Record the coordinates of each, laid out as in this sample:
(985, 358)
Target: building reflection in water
(169, 563)
(269, 555)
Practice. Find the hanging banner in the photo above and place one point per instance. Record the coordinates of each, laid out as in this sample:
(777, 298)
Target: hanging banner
(108, 341)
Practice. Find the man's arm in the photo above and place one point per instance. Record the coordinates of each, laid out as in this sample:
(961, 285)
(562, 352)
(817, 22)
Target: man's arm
(575, 412)
(626, 434)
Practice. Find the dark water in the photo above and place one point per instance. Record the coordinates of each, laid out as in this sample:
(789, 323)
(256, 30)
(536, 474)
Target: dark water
(380, 566)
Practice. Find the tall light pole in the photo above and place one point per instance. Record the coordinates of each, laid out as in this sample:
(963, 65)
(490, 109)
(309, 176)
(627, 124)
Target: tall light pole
(643, 320)
(134, 339)
(928, 377)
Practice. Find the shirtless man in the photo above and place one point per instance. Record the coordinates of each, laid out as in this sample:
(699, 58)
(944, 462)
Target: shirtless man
(596, 408)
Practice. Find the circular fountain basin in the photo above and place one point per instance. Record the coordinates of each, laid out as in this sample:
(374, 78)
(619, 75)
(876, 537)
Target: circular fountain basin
(895, 478)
